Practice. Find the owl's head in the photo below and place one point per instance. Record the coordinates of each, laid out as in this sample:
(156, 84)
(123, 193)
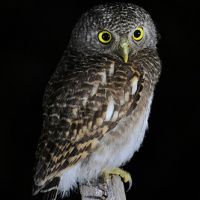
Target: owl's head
(116, 29)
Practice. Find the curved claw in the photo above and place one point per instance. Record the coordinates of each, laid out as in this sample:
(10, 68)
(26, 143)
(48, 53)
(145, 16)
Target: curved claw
(130, 184)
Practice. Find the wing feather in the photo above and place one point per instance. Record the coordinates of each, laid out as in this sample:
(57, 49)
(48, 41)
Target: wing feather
(76, 105)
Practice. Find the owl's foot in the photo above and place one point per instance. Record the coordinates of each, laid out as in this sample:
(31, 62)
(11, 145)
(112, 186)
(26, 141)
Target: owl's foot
(117, 171)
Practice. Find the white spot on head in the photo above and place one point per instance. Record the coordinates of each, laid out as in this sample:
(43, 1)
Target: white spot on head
(110, 109)
(134, 82)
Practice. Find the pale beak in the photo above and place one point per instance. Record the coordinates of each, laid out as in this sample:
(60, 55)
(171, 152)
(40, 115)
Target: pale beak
(124, 49)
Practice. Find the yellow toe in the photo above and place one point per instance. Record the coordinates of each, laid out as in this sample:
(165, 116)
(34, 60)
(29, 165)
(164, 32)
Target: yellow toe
(117, 171)
(125, 175)
(106, 176)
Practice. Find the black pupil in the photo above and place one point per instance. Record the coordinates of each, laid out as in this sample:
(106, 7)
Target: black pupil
(105, 36)
(137, 34)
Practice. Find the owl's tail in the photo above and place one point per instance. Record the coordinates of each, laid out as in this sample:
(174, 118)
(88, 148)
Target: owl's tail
(49, 192)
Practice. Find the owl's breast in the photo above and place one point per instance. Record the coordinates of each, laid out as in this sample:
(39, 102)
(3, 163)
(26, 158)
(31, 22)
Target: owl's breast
(118, 145)
(106, 106)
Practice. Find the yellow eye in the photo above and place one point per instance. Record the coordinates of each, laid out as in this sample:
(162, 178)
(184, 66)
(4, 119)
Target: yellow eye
(138, 34)
(105, 37)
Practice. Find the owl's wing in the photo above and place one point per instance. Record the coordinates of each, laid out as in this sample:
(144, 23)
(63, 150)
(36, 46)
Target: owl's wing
(81, 105)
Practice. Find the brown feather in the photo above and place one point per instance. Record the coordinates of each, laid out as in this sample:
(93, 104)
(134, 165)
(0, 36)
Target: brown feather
(73, 128)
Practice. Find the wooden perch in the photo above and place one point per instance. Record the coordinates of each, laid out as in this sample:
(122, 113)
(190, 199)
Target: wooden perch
(98, 190)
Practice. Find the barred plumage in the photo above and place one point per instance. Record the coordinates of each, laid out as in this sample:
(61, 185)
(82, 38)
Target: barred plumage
(95, 102)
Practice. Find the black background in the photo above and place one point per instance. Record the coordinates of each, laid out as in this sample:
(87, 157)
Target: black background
(33, 36)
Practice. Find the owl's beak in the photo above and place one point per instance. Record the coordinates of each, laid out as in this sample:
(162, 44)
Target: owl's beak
(124, 49)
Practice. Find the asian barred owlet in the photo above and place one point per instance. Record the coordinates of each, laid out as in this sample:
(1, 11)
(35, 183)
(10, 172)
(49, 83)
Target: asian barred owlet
(97, 102)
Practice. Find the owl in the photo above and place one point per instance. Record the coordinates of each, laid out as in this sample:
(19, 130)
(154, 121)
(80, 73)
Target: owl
(97, 103)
